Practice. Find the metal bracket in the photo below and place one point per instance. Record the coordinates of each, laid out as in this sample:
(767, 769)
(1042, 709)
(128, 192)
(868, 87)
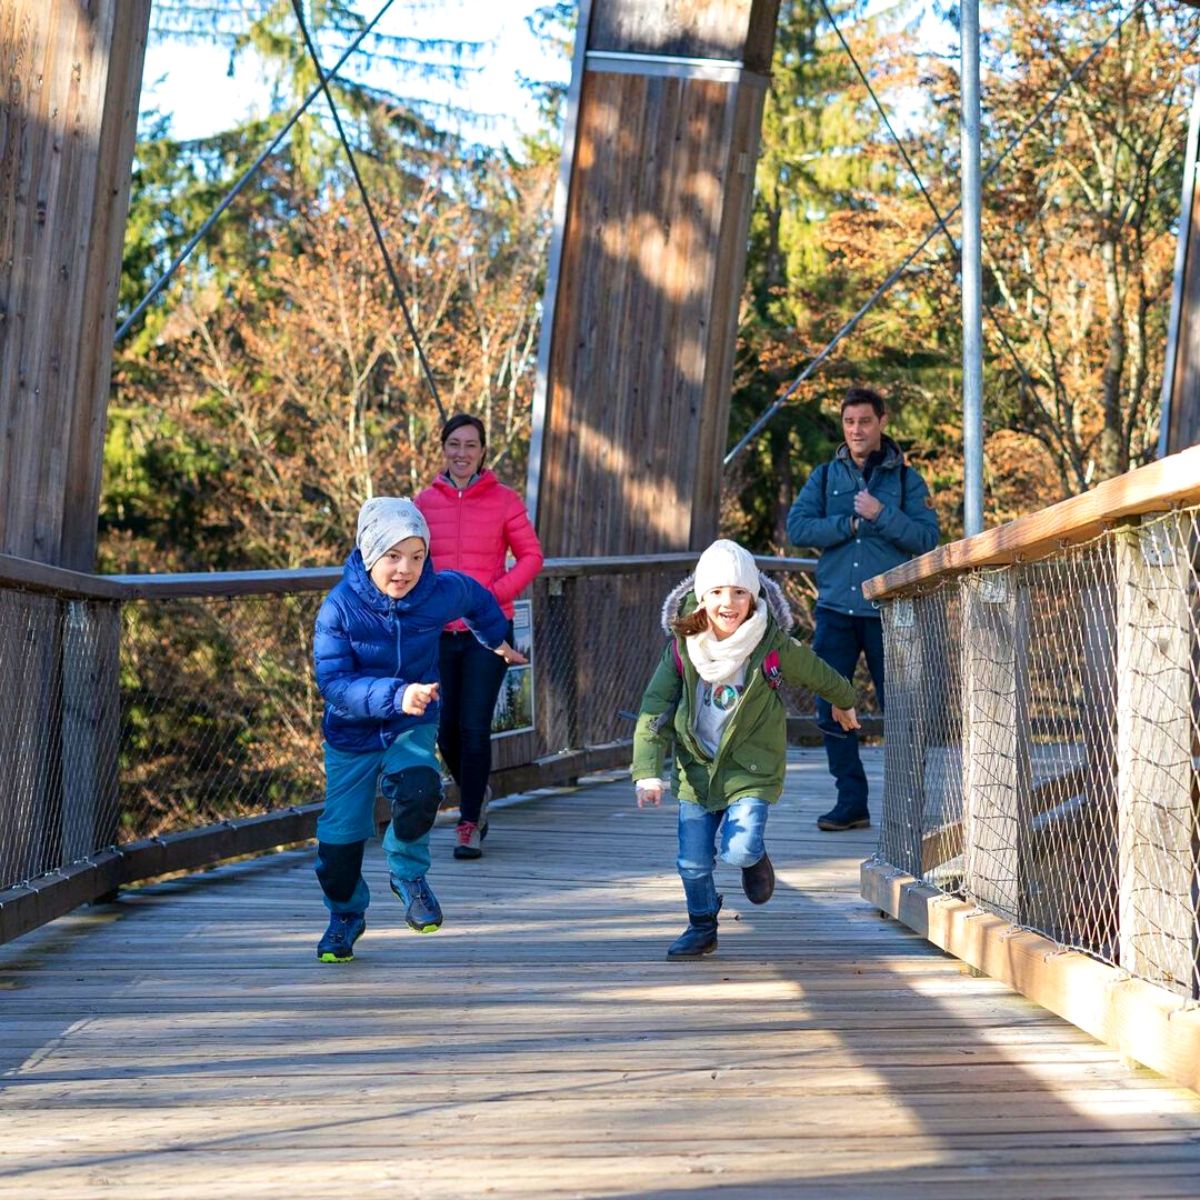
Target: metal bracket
(994, 587)
(1157, 545)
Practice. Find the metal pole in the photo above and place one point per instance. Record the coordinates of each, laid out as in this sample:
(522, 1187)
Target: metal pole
(541, 389)
(972, 273)
(1184, 247)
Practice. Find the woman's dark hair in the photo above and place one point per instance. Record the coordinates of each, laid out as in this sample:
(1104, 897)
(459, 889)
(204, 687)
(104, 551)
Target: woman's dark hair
(860, 395)
(457, 421)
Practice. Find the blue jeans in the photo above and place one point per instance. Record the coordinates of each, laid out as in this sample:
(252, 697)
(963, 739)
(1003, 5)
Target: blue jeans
(840, 640)
(348, 819)
(471, 676)
(741, 827)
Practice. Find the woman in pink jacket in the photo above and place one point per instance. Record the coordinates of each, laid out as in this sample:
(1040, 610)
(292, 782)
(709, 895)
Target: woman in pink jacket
(474, 522)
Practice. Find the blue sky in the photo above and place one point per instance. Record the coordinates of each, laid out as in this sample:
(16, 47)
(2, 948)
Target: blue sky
(191, 83)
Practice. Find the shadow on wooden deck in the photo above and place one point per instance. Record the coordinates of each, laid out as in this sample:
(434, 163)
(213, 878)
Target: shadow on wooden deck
(184, 1041)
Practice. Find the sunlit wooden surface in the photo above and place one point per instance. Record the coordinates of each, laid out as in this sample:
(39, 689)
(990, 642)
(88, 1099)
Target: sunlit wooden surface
(185, 1043)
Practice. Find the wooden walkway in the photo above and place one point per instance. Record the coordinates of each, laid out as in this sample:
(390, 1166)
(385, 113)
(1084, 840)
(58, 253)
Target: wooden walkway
(185, 1043)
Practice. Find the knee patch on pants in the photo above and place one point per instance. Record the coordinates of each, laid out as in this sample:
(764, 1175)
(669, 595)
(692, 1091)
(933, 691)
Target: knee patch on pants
(339, 868)
(414, 795)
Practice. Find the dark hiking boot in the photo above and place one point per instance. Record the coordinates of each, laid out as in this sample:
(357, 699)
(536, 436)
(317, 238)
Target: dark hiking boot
(337, 944)
(467, 837)
(758, 881)
(842, 817)
(699, 938)
(422, 911)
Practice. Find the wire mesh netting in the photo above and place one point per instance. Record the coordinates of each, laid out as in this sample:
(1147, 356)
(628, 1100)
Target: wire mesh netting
(143, 719)
(1042, 741)
(59, 710)
(220, 711)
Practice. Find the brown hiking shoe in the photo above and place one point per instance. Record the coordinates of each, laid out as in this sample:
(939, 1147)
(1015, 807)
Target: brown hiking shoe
(758, 881)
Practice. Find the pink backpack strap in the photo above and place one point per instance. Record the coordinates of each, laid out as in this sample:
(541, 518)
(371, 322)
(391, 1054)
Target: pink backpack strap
(772, 671)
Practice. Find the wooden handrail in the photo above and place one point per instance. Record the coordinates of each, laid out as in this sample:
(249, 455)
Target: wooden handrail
(34, 576)
(207, 584)
(644, 563)
(1170, 482)
(38, 577)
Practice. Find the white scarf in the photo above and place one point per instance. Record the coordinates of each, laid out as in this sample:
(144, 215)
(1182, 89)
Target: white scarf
(717, 660)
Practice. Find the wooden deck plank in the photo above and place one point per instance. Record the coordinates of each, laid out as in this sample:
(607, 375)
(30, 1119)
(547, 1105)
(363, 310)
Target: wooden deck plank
(184, 1041)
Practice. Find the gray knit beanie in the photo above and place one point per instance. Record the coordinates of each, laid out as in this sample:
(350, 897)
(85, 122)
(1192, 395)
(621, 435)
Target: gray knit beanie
(385, 520)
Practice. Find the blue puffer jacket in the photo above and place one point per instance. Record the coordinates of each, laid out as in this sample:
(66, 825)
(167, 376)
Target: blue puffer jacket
(820, 517)
(369, 648)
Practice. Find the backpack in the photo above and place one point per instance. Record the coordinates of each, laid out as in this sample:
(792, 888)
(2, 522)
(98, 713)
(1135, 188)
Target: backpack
(772, 672)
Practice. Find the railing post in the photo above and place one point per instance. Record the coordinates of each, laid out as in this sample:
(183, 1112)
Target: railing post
(91, 720)
(901, 835)
(996, 737)
(1156, 822)
(30, 652)
(561, 709)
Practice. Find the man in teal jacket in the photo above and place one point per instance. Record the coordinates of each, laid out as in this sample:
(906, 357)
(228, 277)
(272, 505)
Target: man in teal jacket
(866, 511)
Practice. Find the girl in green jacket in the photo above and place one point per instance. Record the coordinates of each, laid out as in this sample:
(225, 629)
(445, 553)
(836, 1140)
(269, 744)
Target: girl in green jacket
(714, 694)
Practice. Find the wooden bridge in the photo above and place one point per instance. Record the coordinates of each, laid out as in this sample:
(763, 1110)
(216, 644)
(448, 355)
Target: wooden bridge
(185, 1042)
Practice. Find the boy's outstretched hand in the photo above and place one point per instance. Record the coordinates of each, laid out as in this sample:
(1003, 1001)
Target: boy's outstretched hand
(514, 658)
(847, 718)
(418, 697)
(649, 792)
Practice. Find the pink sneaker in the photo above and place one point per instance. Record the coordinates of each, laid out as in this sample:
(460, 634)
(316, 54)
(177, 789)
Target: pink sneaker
(468, 838)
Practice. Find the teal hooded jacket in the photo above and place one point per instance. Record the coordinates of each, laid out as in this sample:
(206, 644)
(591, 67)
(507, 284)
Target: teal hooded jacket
(820, 518)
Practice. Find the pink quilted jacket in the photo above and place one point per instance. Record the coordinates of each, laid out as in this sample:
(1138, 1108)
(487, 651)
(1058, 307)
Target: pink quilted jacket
(473, 530)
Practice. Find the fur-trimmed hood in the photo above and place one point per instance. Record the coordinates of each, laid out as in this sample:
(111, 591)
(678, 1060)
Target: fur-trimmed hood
(777, 604)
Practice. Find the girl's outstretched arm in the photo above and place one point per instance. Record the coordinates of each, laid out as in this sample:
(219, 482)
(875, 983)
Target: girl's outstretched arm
(803, 668)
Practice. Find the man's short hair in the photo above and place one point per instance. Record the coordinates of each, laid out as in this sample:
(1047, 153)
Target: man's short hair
(862, 395)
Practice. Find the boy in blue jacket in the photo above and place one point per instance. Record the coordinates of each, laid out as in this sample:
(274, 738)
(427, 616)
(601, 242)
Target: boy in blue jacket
(376, 649)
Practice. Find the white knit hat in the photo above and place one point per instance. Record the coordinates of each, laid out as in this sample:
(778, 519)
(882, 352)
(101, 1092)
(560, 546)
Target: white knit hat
(726, 564)
(385, 520)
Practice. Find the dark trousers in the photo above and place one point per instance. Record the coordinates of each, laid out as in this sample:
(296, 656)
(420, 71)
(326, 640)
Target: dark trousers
(471, 679)
(840, 640)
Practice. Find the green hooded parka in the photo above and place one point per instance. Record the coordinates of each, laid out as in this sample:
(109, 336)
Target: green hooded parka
(752, 756)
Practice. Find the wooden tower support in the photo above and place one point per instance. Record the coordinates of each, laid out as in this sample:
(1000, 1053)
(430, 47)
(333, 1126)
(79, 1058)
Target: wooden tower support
(636, 359)
(72, 75)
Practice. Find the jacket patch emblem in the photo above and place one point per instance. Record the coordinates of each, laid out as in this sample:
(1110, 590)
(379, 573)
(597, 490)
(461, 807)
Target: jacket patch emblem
(724, 696)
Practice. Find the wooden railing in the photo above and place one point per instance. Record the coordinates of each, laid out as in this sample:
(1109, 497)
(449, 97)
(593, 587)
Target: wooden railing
(1169, 483)
(1042, 761)
(158, 723)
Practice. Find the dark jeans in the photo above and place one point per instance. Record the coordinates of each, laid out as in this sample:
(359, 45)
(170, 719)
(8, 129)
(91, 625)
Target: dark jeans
(840, 639)
(471, 679)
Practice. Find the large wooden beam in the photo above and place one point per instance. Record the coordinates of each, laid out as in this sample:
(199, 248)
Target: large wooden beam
(72, 74)
(636, 362)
